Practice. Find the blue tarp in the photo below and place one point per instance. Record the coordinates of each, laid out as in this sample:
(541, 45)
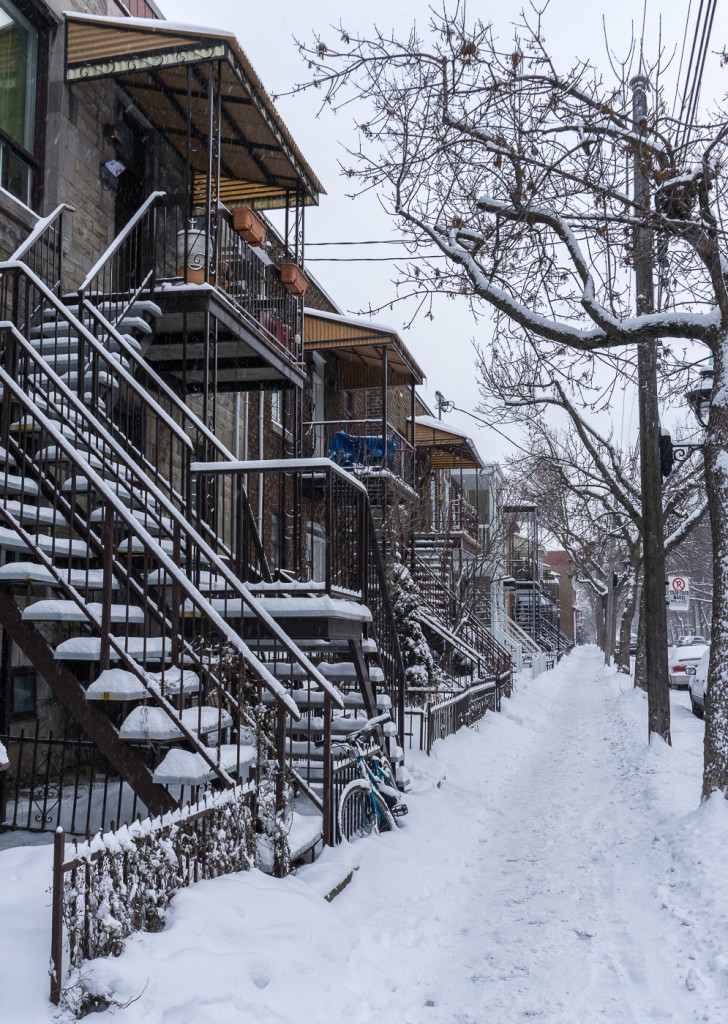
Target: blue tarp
(351, 450)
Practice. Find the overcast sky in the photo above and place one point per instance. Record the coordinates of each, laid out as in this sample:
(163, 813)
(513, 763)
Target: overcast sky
(443, 348)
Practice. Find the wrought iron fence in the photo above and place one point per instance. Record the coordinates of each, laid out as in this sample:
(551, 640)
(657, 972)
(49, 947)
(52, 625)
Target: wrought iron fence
(123, 880)
(467, 708)
(63, 780)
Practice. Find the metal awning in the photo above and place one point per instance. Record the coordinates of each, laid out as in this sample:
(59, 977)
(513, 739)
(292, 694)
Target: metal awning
(359, 344)
(169, 72)
(449, 447)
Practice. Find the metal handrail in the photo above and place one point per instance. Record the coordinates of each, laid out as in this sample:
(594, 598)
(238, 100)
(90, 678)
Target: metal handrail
(167, 507)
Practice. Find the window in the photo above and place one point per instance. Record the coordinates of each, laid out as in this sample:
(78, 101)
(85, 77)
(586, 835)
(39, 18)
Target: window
(276, 407)
(18, 63)
(22, 693)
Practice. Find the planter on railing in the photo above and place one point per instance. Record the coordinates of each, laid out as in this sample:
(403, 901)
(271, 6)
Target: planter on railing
(293, 279)
(250, 228)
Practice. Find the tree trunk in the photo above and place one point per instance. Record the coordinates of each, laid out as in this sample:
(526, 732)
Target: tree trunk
(715, 766)
(640, 665)
(625, 626)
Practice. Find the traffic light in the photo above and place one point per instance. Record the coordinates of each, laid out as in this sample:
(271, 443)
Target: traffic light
(667, 457)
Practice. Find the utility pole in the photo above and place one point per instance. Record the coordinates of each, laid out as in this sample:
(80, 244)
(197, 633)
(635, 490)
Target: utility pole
(653, 547)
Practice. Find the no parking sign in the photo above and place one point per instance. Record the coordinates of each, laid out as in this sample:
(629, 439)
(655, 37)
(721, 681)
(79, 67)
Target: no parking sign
(678, 593)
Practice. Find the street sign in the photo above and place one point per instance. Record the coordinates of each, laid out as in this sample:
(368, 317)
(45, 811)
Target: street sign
(678, 593)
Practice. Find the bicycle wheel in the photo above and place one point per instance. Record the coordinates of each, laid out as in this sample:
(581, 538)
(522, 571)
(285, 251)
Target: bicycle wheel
(362, 811)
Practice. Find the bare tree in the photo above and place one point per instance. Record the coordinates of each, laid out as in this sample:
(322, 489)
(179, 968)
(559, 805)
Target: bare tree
(520, 174)
(586, 484)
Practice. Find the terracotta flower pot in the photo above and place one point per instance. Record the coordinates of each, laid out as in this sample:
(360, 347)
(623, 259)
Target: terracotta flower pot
(250, 228)
(293, 279)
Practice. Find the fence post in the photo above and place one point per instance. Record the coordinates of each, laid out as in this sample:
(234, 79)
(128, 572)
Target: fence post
(428, 716)
(329, 830)
(59, 849)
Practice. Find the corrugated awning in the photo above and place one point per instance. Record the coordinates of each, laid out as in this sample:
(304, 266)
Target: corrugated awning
(150, 61)
(449, 447)
(358, 344)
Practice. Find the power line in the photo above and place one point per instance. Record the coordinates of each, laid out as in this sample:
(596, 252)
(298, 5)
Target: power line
(373, 259)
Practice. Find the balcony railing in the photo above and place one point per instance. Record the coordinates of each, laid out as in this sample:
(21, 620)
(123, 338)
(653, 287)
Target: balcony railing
(454, 516)
(162, 246)
(356, 445)
(316, 524)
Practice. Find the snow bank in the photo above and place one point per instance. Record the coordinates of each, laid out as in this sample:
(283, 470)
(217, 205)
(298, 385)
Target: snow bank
(552, 866)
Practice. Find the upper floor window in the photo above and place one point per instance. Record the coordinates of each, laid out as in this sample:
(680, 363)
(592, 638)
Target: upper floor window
(18, 63)
(276, 407)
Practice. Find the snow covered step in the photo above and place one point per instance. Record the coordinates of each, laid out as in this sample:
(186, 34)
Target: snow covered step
(69, 611)
(57, 345)
(146, 723)
(140, 307)
(88, 648)
(306, 698)
(339, 726)
(37, 575)
(116, 684)
(11, 484)
(128, 494)
(306, 833)
(340, 672)
(189, 768)
(316, 646)
(62, 546)
(103, 465)
(34, 514)
(65, 329)
(105, 381)
(297, 608)
(151, 524)
(404, 779)
(139, 548)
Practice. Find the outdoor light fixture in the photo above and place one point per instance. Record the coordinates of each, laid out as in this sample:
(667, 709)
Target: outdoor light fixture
(699, 398)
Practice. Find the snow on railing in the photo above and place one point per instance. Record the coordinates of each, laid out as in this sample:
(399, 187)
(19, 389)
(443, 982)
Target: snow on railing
(122, 881)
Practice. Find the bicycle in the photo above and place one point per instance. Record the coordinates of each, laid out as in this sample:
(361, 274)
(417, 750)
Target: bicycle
(371, 803)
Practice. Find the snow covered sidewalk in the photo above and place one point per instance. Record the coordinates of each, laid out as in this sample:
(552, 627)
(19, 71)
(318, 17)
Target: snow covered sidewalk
(552, 867)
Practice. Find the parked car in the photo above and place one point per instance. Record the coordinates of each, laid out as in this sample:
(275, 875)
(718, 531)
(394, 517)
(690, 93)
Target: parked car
(697, 683)
(679, 659)
(690, 638)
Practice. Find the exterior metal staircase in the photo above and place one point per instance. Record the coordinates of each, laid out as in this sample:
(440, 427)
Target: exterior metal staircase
(160, 633)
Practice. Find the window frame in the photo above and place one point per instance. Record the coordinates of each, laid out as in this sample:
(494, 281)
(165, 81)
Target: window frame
(42, 22)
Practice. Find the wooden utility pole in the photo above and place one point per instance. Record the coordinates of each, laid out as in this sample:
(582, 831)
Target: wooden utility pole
(653, 546)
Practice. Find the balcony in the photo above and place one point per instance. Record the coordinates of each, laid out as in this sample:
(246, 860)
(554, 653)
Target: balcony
(356, 445)
(454, 521)
(228, 322)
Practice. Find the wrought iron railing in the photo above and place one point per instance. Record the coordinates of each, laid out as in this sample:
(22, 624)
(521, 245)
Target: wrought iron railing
(162, 246)
(318, 525)
(42, 250)
(466, 708)
(92, 481)
(357, 446)
(443, 602)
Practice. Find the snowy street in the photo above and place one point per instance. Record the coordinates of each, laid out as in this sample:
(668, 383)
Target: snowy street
(552, 868)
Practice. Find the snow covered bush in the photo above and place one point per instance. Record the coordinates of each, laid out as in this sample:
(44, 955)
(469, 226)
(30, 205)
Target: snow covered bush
(419, 663)
(123, 881)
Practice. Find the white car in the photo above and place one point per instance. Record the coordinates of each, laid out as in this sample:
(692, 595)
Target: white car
(698, 681)
(679, 659)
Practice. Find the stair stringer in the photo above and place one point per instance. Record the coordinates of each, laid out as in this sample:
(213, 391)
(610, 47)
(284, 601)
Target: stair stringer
(73, 697)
